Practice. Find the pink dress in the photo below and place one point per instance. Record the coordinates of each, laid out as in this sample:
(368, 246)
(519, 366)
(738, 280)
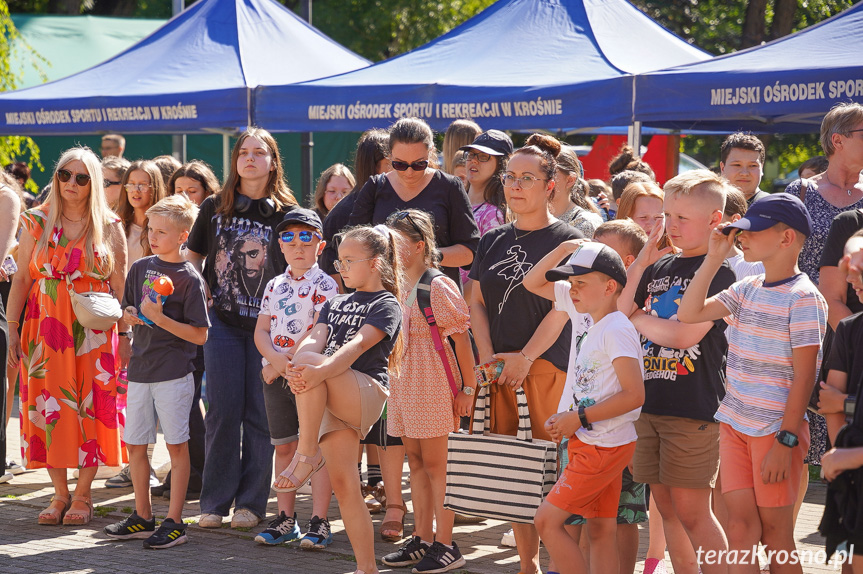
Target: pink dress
(421, 401)
(487, 217)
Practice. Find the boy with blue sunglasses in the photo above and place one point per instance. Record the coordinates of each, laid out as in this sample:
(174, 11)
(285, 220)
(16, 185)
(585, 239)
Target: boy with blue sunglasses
(289, 309)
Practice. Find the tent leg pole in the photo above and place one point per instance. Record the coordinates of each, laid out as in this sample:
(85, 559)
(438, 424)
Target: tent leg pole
(226, 155)
(307, 165)
(178, 144)
(634, 137)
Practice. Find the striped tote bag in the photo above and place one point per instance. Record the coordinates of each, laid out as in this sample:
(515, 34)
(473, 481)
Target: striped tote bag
(498, 476)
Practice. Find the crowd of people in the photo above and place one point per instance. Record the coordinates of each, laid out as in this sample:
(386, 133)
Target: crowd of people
(688, 346)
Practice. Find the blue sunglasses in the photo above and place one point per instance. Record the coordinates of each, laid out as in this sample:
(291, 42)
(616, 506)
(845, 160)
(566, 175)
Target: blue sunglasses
(305, 236)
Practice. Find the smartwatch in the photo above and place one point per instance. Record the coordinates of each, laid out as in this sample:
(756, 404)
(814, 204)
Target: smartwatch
(583, 418)
(787, 438)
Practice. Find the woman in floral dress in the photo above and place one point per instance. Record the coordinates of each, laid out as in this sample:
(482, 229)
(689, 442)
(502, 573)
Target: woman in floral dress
(68, 372)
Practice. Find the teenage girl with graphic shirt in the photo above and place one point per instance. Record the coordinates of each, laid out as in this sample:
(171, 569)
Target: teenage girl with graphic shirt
(339, 376)
(422, 410)
(234, 234)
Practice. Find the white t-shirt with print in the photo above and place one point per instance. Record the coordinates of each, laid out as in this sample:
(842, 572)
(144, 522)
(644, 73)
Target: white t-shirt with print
(581, 322)
(292, 304)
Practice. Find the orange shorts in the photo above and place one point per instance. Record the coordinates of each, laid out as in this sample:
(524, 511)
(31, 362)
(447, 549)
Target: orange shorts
(740, 458)
(590, 484)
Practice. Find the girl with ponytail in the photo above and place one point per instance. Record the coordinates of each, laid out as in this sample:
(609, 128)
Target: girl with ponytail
(340, 379)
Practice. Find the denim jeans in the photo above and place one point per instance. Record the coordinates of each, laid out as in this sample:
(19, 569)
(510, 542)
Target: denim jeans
(239, 457)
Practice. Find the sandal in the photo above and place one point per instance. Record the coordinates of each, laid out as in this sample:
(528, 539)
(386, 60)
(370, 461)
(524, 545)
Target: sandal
(397, 526)
(53, 515)
(315, 463)
(79, 517)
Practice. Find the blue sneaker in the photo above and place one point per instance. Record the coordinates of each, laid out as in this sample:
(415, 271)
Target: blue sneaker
(319, 535)
(283, 528)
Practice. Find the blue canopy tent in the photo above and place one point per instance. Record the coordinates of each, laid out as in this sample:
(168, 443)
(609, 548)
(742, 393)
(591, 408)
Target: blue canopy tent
(784, 86)
(519, 64)
(194, 74)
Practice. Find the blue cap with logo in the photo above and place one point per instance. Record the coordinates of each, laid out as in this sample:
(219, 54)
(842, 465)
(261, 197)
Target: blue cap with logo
(776, 208)
(300, 215)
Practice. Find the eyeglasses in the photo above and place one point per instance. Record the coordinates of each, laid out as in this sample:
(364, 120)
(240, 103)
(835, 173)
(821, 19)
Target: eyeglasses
(345, 265)
(305, 236)
(849, 132)
(525, 182)
(480, 157)
(402, 215)
(65, 175)
(109, 183)
(137, 186)
(403, 165)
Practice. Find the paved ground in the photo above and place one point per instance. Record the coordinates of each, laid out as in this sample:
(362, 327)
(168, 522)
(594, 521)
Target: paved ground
(30, 548)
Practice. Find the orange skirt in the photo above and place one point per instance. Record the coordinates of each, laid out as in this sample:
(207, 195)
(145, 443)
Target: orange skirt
(543, 387)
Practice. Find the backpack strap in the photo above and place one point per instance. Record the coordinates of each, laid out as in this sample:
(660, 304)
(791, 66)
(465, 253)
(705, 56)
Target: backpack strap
(424, 302)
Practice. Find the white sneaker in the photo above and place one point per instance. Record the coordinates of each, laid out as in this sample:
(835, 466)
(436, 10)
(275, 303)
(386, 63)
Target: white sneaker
(14, 467)
(154, 480)
(244, 518)
(210, 521)
(6, 477)
(508, 539)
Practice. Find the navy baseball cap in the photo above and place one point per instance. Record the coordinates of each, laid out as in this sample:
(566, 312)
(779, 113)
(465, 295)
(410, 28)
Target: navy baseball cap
(776, 208)
(300, 215)
(590, 257)
(492, 142)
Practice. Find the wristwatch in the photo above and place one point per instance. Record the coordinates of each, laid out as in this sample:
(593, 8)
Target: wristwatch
(127, 334)
(583, 418)
(469, 391)
(787, 438)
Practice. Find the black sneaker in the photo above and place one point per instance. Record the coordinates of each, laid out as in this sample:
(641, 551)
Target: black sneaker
(282, 529)
(411, 553)
(318, 535)
(169, 534)
(132, 527)
(439, 558)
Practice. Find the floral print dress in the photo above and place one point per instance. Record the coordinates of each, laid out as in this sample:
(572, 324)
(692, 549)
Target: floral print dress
(69, 415)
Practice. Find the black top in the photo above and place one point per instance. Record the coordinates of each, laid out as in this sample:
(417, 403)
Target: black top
(344, 315)
(242, 256)
(158, 355)
(759, 194)
(682, 382)
(443, 198)
(514, 313)
(843, 227)
(845, 355)
(335, 223)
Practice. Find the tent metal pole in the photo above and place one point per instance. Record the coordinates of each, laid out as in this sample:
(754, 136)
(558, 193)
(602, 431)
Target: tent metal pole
(634, 136)
(306, 139)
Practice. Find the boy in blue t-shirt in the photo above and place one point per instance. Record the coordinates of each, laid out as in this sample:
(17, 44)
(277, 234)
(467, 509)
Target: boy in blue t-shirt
(161, 366)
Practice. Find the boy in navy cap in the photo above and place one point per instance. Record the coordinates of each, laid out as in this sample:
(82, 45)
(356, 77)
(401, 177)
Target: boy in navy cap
(289, 309)
(607, 398)
(774, 353)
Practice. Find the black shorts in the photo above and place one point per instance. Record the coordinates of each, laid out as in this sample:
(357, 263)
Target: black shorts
(281, 405)
(378, 434)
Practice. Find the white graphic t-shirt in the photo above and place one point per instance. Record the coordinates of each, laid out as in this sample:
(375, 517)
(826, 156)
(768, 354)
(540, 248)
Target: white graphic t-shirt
(581, 322)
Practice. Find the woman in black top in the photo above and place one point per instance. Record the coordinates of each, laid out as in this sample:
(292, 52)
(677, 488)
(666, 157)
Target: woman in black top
(511, 324)
(233, 233)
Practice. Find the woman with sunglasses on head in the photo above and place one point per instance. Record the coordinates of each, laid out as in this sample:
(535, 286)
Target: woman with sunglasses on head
(68, 379)
(512, 325)
(233, 242)
(113, 170)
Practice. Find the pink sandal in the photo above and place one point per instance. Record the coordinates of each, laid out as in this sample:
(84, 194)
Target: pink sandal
(315, 463)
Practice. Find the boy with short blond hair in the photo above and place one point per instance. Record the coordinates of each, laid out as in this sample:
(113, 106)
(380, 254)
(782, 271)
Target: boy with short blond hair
(678, 440)
(168, 291)
(779, 321)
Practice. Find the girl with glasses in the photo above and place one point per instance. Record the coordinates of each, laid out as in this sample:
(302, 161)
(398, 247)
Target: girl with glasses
(335, 183)
(142, 187)
(514, 326)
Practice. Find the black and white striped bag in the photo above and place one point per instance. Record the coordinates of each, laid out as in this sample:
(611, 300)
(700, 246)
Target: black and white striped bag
(498, 476)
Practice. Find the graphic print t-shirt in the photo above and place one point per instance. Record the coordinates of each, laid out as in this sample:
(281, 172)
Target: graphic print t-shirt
(682, 382)
(580, 322)
(158, 355)
(514, 313)
(242, 257)
(344, 315)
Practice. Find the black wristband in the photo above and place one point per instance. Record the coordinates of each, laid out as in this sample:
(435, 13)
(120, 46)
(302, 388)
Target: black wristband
(582, 416)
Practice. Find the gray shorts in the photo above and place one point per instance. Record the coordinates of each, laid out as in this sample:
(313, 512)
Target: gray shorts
(281, 405)
(171, 401)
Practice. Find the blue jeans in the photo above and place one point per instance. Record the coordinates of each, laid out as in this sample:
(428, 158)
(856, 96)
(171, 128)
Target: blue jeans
(239, 457)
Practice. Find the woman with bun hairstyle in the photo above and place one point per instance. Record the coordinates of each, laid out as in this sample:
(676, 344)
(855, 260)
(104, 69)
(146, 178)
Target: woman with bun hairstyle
(512, 325)
(232, 241)
(570, 203)
(628, 160)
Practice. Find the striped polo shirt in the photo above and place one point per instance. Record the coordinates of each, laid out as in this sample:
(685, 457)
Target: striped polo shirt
(769, 320)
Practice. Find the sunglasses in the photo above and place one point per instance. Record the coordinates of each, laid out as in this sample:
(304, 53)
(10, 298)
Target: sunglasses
(65, 175)
(403, 165)
(305, 236)
(402, 215)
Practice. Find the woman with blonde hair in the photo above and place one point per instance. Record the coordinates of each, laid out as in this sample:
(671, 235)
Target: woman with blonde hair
(459, 134)
(68, 371)
(335, 183)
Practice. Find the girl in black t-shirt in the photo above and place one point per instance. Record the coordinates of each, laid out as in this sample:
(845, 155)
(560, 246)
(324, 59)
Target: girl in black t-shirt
(233, 234)
(339, 376)
(513, 325)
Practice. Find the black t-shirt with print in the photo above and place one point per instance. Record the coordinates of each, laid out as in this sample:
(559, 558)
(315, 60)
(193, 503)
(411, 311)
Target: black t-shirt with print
(514, 313)
(443, 198)
(844, 353)
(344, 315)
(335, 223)
(843, 227)
(682, 382)
(242, 255)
